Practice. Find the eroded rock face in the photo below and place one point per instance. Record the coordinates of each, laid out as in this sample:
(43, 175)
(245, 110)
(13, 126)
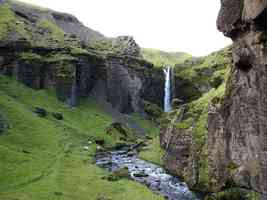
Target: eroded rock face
(237, 130)
(55, 50)
(127, 46)
(180, 158)
(123, 86)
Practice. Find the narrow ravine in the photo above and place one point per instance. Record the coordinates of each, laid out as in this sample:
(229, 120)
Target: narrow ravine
(151, 175)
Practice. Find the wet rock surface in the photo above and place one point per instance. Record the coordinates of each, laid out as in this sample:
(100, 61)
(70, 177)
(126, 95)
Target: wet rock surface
(153, 176)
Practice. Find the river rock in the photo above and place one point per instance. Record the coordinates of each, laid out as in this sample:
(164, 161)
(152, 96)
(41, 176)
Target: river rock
(140, 175)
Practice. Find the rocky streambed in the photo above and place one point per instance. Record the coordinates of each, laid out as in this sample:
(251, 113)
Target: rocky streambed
(153, 176)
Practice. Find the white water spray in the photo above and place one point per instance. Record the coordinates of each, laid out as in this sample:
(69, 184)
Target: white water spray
(167, 96)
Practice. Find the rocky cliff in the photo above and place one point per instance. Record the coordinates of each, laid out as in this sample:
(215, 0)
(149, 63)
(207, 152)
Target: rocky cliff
(218, 141)
(237, 129)
(47, 49)
(184, 130)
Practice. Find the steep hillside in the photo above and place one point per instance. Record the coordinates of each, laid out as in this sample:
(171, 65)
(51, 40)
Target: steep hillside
(46, 158)
(197, 76)
(47, 49)
(217, 143)
(51, 69)
(160, 58)
(184, 132)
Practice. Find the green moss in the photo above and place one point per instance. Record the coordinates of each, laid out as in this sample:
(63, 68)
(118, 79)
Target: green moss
(154, 152)
(55, 34)
(151, 129)
(186, 124)
(253, 196)
(45, 158)
(79, 51)
(29, 56)
(121, 132)
(7, 21)
(153, 111)
(208, 71)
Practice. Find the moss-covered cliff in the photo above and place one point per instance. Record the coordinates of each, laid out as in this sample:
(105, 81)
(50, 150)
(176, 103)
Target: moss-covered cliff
(46, 49)
(184, 131)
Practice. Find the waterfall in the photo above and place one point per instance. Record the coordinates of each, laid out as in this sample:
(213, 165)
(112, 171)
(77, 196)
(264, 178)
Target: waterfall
(167, 95)
(73, 96)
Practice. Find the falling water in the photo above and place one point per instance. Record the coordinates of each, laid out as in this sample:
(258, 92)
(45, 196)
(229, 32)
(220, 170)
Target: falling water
(73, 97)
(167, 96)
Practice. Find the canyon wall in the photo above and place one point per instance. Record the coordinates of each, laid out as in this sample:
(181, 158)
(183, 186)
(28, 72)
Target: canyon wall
(46, 49)
(219, 141)
(237, 129)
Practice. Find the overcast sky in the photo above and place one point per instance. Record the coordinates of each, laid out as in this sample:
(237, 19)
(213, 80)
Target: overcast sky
(170, 25)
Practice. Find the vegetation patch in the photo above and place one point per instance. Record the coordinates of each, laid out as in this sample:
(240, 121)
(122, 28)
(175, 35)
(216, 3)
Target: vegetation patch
(54, 34)
(163, 59)
(153, 153)
(46, 158)
(7, 21)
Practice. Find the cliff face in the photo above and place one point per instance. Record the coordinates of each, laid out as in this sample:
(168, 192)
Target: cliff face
(237, 130)
(235, 140)
(184, 131)
(47, 49)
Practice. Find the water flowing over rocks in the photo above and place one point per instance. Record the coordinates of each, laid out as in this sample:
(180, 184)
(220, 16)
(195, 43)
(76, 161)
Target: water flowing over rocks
(153, 176)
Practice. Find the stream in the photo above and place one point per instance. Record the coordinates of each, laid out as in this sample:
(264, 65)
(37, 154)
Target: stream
(151, 175)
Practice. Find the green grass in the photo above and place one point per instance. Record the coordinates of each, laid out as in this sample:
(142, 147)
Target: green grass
(79, 51)
(7, 19)
(151, 128)
(161, 58)
(56, 34)
(154, 153)
(43, 158)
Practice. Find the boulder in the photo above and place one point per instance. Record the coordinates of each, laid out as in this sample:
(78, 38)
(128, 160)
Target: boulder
(100, 142)
(58, 116)
(41, 112)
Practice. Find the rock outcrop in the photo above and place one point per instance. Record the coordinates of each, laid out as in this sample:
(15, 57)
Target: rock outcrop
(184, 131)
(47, 49)
(237, 130)
(235, 142)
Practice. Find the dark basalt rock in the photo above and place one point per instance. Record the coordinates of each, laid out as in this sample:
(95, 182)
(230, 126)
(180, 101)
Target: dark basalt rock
(100, 141)
(41, 112)
(58, 116)
(128, 80)
(237, 130)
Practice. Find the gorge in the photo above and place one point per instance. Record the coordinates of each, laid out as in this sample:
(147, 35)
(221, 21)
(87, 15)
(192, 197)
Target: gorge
(73, 101)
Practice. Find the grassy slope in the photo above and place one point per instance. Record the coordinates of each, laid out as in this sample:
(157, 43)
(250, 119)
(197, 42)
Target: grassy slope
(161, 58)
(194, 69)
(42, 158)
(153, 153)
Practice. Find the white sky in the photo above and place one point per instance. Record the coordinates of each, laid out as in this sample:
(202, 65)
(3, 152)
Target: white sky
(170, 25)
